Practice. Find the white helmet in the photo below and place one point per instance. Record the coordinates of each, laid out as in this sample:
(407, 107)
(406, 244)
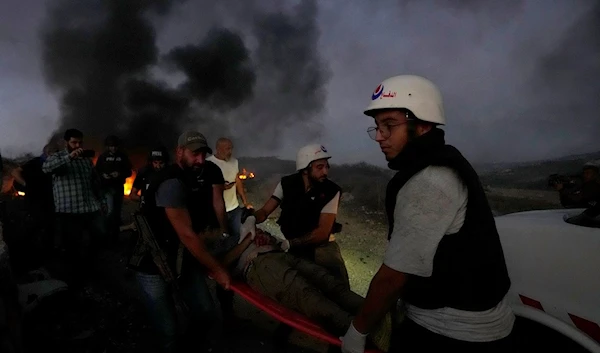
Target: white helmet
(415, 93)
(310, 153)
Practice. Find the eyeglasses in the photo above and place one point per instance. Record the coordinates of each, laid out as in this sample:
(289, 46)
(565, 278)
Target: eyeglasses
(385, 130)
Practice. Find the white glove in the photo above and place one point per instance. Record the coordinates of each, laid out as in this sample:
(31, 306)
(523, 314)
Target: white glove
(285, 245)
(248, 227)
(353, 341)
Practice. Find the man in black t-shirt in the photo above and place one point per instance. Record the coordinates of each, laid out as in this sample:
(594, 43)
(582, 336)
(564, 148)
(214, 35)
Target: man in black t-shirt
(184, 207)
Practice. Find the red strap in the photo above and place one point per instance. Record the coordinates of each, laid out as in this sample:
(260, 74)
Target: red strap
(287, 316)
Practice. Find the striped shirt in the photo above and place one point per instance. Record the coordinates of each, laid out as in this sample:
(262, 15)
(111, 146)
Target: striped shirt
(73, 183)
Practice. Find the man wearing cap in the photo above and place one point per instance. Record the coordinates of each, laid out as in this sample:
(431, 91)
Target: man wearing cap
(185, 210)
(444, 258)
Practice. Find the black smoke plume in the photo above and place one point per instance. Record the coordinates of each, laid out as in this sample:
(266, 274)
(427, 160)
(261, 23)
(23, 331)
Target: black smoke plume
(99, 57)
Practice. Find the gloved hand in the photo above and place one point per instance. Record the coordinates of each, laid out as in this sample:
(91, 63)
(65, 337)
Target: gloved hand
(353, 341)
(285, 245)
(248, 227)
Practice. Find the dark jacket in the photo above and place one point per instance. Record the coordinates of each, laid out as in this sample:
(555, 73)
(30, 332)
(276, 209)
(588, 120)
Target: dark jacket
(108, 163)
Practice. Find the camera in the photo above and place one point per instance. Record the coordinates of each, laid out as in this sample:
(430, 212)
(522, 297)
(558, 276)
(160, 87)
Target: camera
(567, 181)
(88, 154)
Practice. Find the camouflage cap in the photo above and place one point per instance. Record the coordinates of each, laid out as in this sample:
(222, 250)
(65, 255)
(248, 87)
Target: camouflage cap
(193, 141)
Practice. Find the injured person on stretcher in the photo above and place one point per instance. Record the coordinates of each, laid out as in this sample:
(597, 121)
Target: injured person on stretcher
(300, 285)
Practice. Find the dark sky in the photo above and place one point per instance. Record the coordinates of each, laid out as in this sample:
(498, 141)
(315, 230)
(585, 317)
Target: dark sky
(520, 79)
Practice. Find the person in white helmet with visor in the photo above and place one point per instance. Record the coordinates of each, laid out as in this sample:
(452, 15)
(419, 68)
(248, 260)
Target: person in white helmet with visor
(444, 258)
(309, 205)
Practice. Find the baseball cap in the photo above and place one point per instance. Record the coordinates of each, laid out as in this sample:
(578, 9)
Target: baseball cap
(193, 141)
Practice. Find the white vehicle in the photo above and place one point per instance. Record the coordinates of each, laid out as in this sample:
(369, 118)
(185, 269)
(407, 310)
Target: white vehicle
(554, 267)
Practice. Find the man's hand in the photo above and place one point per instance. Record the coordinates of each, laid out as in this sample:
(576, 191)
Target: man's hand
(353, 341)
(222, 278)
(248, 227)
(76, 153)
(285, 245)
(248, 205)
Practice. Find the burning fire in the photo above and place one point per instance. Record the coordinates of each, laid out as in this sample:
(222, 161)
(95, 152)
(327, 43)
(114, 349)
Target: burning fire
(128, 184)
(20, 193)
(246, 175)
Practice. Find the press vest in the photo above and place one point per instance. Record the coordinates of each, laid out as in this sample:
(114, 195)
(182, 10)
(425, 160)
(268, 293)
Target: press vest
(301, 209)
(469, 269)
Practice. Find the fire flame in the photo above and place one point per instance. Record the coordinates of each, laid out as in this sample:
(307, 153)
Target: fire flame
(246, 175)
(128, 184)
(20, 193)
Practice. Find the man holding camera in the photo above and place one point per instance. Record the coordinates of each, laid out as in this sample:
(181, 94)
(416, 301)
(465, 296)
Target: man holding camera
(583, 193)
(77, 202)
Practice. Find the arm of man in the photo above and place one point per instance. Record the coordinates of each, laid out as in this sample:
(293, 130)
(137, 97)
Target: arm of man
(137, 185)
(17, 173)
(133, 195)
(239, 187)
(418, 228)
(54, 162)
(171, 196)
(270, 206)
(570, 198)
(320, 234)
(234, 254)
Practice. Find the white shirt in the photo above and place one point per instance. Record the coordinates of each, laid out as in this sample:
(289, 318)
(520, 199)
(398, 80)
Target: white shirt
(230, 170)
(438, 204)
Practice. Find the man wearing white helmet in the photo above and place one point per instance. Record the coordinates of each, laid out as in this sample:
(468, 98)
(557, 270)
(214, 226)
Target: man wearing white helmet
(444, 258)
(309, 204)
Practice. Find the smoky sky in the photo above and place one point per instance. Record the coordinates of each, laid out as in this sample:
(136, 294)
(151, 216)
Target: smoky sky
(99, 56)
(519, 78)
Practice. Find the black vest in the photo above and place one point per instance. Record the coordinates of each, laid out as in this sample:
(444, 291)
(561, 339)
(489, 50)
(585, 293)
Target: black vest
(195, 200)
(469, 270)
(301, 210)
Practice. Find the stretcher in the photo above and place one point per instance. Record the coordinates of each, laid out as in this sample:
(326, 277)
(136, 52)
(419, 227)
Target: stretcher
(287, 316)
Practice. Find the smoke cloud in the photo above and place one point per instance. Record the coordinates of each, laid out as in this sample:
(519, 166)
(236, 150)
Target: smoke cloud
(100, 57)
